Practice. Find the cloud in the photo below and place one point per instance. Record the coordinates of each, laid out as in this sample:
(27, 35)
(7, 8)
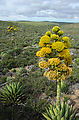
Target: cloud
(27, 9)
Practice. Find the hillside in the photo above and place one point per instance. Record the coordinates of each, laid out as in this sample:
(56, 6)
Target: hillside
(18, 62)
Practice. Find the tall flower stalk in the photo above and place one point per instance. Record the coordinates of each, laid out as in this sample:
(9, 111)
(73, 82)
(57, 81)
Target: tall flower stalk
(12, 31)
(59, 93)
(56, 61)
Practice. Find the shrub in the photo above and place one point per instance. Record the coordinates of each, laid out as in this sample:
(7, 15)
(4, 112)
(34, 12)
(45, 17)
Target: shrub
(9, 79)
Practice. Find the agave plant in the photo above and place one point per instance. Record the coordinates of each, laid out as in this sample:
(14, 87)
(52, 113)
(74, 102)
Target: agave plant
(60, 110)
(66, 112)
(56, 61)
(12, 93)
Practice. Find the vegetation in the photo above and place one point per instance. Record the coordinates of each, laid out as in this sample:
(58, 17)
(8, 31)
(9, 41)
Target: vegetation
(12, 94)
(18, 62)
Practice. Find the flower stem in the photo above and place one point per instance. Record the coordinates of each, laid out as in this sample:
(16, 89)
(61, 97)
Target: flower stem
(59, 94)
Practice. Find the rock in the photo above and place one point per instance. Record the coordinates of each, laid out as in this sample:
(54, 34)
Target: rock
(74, 60)
(77, 115)
(71, 90)
(26, 47)
(72, 51)
(9, 74)
(69, 101)
(43, 96)
(25, 74)
(77, 93)
(76, 86)
(77, 66)
(1, 74)
(74, 97)
(35, 46)
(29, 68)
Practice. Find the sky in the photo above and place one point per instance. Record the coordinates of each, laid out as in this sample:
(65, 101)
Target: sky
(40, 10)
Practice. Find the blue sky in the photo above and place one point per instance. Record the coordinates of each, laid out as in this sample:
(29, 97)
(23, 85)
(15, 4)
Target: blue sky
(40, 10)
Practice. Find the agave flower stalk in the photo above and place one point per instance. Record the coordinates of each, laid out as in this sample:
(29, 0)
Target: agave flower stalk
(59, 94)
(57, 69)
(59, 97)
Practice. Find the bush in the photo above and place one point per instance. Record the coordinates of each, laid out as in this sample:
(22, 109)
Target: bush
(8, 79)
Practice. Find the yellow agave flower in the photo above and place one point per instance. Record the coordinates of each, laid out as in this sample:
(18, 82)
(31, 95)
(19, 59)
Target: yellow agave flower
(59, 46)
(65, 53)
(45, 39)
(15, 29)
(69, 72)
(54, 61)
(41, 44)
(68, 60)
(55, 37)
(43, 64)
(51, 75)
(62, 67)
(65, 39)
(67, 44)
(40, 54)
(9, 30)
(60, 32)
(48, 33)
(55, 29)
(46, 50)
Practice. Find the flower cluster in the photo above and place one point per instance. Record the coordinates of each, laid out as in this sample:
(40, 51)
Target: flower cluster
(58, 46)
(54, 49)
(43, 52)
(12, 28)
(55, 37)
(66, 42)
(55, 69)
(54, 61)
(43, 64)
(48, 33)
(65, 55)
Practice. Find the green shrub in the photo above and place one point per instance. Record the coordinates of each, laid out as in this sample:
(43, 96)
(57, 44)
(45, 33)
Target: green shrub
(21, 70)
(3, 79)
(13, 70)
(9, 79)
(5, 70)
(77, 61)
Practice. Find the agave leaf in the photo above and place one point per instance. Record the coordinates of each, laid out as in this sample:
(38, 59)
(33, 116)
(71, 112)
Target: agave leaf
(6, 94)
(71, 110)
(55, 111)
(19, 90)
(47, 110)
(54, 104)
(67, 112)
(46, 116)
(62, 112)
(52, 114)
(51, 106)
(72, 117)
(65, 106)
(62, 118)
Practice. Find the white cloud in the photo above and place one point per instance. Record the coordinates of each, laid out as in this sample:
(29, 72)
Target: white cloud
(27, 9)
